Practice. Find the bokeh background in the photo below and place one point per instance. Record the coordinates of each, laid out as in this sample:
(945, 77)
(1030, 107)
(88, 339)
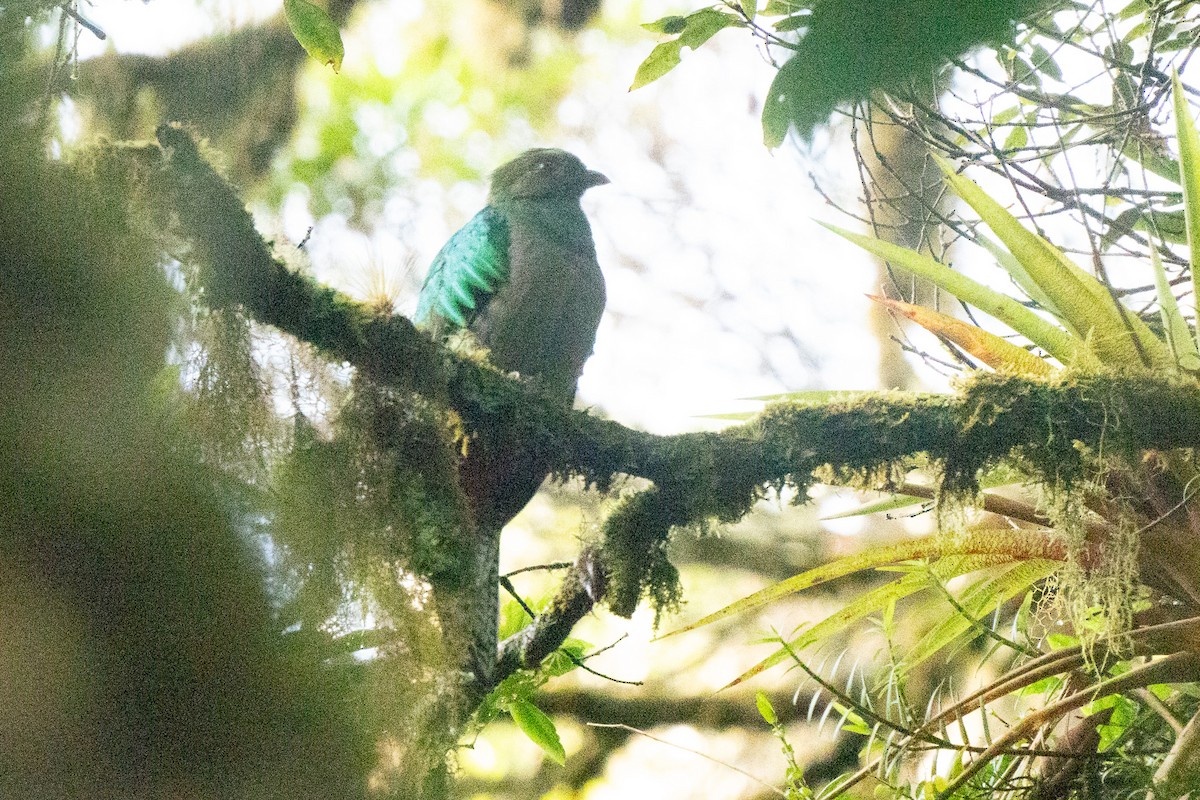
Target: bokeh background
(721, 289)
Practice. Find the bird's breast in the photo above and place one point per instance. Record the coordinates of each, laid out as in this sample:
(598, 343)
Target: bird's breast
(543, 321)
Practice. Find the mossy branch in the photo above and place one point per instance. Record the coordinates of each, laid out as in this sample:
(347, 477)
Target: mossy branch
(697, 476)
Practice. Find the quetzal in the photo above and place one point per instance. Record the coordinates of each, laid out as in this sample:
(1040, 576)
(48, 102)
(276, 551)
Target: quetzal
(522, 276)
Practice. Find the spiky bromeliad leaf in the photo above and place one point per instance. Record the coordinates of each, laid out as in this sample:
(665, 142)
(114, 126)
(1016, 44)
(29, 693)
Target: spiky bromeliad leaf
(1016, 545)
(1054, 340)
(1009, 264)
(1189, 173)
(1179, 337)
(987, 347)
(1119, 337)
(878, 599)
(978, 601)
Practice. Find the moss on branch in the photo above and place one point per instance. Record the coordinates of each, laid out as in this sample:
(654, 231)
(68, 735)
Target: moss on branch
(1049, 425)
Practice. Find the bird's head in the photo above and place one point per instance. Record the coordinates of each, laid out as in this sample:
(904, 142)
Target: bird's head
(543, 172)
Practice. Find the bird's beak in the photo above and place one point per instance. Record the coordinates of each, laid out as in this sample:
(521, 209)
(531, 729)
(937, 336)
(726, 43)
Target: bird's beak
(594, 178)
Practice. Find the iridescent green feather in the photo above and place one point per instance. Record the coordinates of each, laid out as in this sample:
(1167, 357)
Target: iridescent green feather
(467, 272)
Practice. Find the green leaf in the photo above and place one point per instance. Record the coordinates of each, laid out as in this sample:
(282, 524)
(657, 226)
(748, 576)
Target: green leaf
(1030, 546)
(540, 729)
(811, 396)
(315, 32)
(1179, 337)
(793, 23)
(1060, 344)
(662, 59)
(853, 48)
(889, 503)
(1018, 137)
(1153, 156)
(875, 600)
(564, 659)
(766, 709)
(1119, 337)
(775, 8)
(1045, 62)
(990, 479)
(1170, 226)
(1009, 264)
(749, 8)
(1133, 9)
(1189, 171)
(697, 29)
(980, 600)
(672, 25)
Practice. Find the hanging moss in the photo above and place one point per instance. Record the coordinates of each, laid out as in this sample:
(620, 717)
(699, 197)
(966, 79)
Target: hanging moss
(635, 541)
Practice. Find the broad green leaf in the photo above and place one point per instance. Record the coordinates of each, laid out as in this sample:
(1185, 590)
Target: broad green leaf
(1133, 9)
(1017, 138)
(697, 29)
(1179, 337)
(875, 600)
(1170, 226)
(749, 8)
(564, 659)
(672, 25)
(1057, 342)
(540, 729)
(1085, 304)
(1152, 157)
(1045, 62)
(765, 709)
(987, 347)
(315, 32)
(849, 52)
(662, 59)
(1189, 171)
(1005, 116)
(980, 600)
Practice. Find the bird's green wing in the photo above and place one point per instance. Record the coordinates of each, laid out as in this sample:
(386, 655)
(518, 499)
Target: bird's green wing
(468, 270)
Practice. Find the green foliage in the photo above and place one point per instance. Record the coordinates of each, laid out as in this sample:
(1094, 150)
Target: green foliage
(540, 729)
(142, 654)
(691, 31)
(795, 788)
(852, 49)
(316, 32)
(848, 49)
(1093, 560)
(514, 696)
